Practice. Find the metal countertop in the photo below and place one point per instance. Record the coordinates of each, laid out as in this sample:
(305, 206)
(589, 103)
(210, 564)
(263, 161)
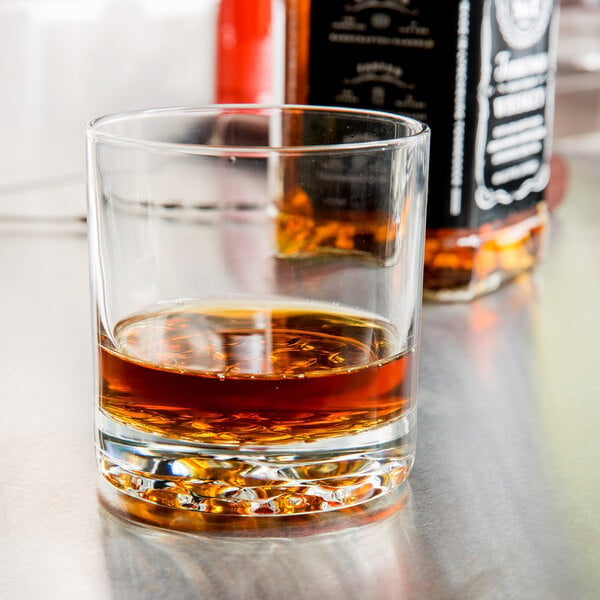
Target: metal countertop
(502, 502)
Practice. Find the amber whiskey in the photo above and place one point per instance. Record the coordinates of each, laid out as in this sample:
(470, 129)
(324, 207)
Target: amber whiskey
(481, 74)
(233, 374)
(463, 263)
(306, 228)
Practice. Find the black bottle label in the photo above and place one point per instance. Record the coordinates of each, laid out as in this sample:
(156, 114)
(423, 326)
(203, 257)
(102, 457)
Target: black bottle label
(479, 73)
(355, 182)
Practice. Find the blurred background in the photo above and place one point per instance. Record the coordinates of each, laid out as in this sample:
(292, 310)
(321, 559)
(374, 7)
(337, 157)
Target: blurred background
(65, 62)
(577, 126)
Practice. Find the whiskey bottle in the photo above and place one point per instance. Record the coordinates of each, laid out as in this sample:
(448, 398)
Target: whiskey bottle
(481, 74)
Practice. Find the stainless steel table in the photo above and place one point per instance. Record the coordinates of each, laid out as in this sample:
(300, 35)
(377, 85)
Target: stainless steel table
(503, 501)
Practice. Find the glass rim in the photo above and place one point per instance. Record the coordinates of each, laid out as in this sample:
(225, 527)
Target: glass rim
(419, 130)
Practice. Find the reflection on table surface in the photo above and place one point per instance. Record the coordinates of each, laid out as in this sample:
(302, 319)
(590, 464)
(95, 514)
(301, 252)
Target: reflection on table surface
(365, 552)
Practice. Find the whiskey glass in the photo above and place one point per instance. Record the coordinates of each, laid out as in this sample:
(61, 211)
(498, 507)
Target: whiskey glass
(256, 275)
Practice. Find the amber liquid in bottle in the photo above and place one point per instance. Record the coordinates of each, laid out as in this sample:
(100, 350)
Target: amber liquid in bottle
(253, 376)
(461, 264)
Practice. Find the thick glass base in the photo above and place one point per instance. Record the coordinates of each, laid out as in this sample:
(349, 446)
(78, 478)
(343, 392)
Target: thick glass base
(259, 481)
(463, 264)
(130, 511)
